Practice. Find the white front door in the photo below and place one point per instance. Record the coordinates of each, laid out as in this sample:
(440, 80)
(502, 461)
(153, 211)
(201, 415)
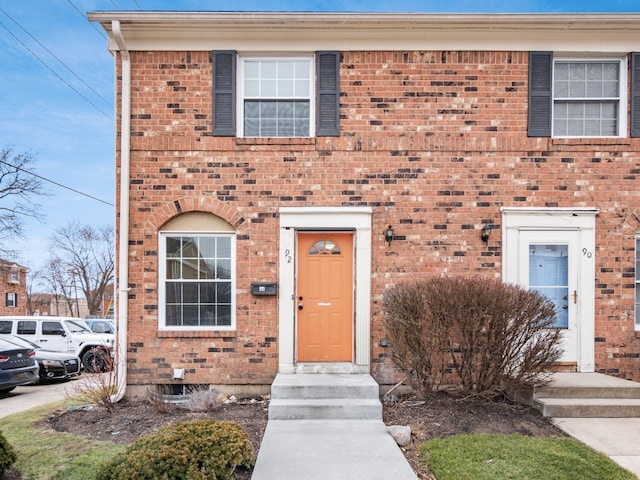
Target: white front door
(552, 250)
(548, 264)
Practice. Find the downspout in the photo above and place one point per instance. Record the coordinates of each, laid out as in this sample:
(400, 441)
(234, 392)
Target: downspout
(122, 272)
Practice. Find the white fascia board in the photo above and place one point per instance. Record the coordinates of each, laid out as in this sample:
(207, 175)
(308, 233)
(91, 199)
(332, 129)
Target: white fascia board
(176, 31)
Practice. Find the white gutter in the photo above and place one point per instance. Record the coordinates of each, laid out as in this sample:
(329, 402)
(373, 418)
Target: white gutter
(311, 31)
(122, 270)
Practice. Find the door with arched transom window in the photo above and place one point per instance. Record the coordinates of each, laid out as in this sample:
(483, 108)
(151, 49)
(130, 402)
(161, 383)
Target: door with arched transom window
(324, 297)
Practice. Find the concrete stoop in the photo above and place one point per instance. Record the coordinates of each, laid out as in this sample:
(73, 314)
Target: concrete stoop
(324, 397)
(328, 427)
(588, 395)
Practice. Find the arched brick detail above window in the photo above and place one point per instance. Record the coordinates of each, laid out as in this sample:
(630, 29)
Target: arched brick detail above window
(169, 210)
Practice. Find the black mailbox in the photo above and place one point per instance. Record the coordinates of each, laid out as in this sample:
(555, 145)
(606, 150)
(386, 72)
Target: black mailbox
(264, 288)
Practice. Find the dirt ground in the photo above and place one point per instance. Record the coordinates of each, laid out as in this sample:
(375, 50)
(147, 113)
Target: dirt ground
(437, 417)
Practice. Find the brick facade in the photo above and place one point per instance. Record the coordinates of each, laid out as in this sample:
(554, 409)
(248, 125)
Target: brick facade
(435, 142)
(13, 281)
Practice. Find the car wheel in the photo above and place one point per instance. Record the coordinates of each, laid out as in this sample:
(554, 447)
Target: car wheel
(94, 360)
(6, 390)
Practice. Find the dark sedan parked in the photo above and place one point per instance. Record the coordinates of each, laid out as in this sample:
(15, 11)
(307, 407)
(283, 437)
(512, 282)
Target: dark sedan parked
(18, 365)
(53, 365)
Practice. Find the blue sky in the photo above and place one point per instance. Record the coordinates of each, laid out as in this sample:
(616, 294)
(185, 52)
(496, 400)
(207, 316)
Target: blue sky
(57, 89)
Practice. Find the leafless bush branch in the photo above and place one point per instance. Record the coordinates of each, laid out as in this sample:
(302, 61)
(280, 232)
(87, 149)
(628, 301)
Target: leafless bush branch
(495, 337)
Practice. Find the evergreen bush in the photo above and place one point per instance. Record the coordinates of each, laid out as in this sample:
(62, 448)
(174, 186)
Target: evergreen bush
(196, 450)
(7, 454)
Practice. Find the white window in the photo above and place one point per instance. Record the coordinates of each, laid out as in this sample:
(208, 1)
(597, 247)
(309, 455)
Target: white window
(14, 276)
(197, 281)
(589, 97)
(11, 300)
(276, 97)
(638, 283)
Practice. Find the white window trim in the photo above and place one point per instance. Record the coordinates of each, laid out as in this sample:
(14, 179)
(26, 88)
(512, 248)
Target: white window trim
(14, 276)
(11, 296)
(240, 89)
(622, 105)
(162, 273)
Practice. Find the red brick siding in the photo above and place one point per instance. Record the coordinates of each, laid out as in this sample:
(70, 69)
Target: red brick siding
(20, 289)
(434, 142)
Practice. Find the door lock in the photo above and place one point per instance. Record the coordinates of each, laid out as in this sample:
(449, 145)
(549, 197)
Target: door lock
(300, 307)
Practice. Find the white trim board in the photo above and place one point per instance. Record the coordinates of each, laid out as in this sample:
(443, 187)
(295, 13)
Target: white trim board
(292, 219)
(581, 220)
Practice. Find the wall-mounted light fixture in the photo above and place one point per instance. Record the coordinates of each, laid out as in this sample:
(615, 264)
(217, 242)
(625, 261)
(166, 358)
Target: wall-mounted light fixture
(485, 233)
(388, 235)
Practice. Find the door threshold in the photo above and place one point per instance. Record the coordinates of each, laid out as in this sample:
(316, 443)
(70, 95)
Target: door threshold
(331, 367)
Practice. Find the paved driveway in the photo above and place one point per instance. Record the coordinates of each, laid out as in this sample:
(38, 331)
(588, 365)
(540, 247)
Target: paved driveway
(29, 396)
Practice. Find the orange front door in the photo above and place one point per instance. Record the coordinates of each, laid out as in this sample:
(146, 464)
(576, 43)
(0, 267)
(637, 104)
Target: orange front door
(325, 297)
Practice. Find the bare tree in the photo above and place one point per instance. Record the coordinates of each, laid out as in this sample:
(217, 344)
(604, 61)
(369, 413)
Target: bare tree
(34, 281)
(18, 189)
(86, 255)
(57, 281)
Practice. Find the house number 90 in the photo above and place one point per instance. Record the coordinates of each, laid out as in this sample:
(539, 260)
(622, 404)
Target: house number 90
(586, 253)
(287, 255)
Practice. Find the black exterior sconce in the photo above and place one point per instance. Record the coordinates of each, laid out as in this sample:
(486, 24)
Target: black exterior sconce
(485, 233)
(388, 235)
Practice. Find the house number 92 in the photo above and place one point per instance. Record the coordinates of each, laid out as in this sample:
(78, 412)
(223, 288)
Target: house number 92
(287, 255)
(586, 253)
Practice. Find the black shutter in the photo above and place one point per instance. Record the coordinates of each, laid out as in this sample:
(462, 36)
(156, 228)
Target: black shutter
(6, 300)
(540, 78)
(224, 93)
(635, 94)
(15, 300)
(328, 94)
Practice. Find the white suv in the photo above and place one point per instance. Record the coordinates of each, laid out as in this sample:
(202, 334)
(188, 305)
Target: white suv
(64, 334)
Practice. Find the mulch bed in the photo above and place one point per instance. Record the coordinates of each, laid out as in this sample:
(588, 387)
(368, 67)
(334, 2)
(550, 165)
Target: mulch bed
(439, 416)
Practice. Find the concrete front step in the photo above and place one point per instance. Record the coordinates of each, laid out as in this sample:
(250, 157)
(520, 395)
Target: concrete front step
(587, 395)
(588, 407)
(588, 385)
(325, 409)
(314, 386)
(325, 397)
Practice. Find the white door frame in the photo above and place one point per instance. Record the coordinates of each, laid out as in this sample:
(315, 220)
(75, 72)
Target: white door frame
(581, 220)
(357, 219)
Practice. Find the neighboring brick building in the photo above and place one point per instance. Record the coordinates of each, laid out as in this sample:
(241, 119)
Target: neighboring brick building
(262, 153)
(13, 288)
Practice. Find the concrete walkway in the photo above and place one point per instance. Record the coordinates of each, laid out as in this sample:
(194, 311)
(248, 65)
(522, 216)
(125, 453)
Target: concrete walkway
(330, 450)
(618, 438)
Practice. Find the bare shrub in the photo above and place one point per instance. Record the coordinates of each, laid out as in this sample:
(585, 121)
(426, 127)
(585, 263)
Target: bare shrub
(98, 388)
(204, 399)
(197, 398)
(157, 402)
(418, 341)
(496, 337)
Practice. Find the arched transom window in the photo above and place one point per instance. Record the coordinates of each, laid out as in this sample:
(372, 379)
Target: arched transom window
(324, 247)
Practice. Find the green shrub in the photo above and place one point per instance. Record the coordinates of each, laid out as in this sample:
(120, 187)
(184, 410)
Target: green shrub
(197, 450)
(492, 337)
(7, 454)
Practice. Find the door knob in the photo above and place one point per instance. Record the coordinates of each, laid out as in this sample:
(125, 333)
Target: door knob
(300, 307)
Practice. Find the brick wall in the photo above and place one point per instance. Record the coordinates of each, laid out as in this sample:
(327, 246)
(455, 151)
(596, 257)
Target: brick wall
(434, 142)
(8, 286)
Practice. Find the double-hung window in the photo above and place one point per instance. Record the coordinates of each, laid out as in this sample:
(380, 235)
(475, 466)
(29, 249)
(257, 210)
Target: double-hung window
(588, 98)
(11, 300)
(584, 97)
(197, 281)
(276, 97)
